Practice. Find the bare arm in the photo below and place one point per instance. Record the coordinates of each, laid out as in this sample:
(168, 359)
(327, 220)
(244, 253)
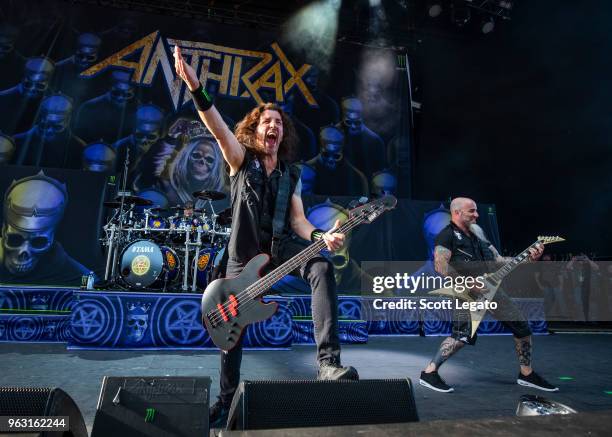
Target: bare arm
(298, 221)
(498, 257)
(303, 228)
(233, 151)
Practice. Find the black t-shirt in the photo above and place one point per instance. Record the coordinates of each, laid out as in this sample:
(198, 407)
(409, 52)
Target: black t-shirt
(469, 254)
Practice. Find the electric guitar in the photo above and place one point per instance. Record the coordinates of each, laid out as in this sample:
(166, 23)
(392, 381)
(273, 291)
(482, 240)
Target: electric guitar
(230, 305)
(492, 282)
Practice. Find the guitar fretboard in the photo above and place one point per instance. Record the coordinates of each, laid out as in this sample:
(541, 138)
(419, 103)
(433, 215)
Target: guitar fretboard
(259, 288)
(507, 268)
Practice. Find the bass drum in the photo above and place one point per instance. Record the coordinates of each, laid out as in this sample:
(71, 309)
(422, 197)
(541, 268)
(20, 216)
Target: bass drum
(207, 265)
(144, 264)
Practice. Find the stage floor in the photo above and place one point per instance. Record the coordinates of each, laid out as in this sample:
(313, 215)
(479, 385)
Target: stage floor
(484, 376)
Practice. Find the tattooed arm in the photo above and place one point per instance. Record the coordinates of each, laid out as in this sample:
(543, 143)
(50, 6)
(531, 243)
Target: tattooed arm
(442, 256)
(498, 257)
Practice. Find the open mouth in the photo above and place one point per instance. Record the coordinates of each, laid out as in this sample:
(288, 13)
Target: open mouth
(271, 138)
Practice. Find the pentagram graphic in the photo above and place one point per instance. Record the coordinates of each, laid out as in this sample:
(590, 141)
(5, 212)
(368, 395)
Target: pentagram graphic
(89, 321)
(276, 330)
(349, 309)
(182, 323)
(26, 328)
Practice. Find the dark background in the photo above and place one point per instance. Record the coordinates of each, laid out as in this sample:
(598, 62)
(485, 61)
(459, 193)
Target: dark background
(521, 118)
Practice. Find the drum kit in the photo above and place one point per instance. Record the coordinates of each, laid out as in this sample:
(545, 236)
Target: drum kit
(164, 249)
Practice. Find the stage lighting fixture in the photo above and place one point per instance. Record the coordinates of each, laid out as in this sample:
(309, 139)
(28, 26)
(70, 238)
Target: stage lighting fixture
(335, 3)
(530, 405)
(487, 25)
(460, 15)
(434, 9)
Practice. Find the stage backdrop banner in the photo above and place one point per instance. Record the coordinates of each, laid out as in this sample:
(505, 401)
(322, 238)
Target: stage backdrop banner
(104, 101)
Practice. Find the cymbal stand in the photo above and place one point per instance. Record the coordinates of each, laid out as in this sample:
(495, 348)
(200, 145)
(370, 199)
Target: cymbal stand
(197, 245)
(122, 193)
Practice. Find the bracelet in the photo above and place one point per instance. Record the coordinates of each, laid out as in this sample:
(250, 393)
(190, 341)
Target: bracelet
(201, 99)
(316, 234)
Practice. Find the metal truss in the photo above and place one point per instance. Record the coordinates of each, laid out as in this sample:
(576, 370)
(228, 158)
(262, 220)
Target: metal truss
(496, 8)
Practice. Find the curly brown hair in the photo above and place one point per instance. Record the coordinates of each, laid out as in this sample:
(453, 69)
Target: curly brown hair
(246, 132)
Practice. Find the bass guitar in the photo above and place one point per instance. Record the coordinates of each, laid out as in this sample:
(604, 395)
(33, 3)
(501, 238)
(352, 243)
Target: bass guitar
(230, 305)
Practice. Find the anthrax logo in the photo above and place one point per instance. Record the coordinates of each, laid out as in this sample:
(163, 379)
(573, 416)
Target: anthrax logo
(152, 53)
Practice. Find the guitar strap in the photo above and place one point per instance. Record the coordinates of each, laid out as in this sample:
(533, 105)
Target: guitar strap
(280, 211)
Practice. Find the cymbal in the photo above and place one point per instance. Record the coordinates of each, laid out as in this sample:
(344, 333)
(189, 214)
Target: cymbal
(134, 200)
(225, 217)
(209, 195)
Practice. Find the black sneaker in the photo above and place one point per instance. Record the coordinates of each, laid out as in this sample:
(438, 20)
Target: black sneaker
(217, 415)
(332, 371)
(433, 381)
(535, 381)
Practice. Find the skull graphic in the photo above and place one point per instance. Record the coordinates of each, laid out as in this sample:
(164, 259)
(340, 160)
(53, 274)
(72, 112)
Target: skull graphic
(383, 183)
(38, 72)
(332, 145)
(99, 157)
(352, 118)
(122, 90)
(7, 149)
(8, 36)
(137, 321)
(54, 118)
(433, 222)
(323, 216)
(33, 207)
(149, 124)
(86, 54)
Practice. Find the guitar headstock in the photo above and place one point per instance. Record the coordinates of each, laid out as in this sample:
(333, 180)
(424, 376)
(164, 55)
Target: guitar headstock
(550, 240)
(372, 210)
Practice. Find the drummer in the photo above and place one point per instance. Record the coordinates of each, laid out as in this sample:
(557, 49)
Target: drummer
(188, 209)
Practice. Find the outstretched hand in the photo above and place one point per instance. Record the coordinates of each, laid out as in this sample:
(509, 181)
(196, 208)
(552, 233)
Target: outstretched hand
(185, 71)
(334, 240)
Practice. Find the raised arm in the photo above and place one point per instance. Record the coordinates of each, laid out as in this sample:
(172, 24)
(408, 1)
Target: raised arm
(233, 151)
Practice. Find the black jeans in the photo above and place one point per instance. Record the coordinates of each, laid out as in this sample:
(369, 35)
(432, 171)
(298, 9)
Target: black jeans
(507, 312)
(319, 273)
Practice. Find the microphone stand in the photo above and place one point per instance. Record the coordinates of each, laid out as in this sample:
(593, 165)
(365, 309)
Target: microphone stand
(122, 194)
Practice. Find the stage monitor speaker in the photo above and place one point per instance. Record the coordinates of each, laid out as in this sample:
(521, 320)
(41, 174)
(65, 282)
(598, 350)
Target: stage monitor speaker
(307, 403)
(152, 406)
(43, 401)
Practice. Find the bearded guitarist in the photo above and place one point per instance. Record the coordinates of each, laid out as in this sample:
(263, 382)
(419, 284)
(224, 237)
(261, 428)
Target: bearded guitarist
(266, 206)
(462, 249)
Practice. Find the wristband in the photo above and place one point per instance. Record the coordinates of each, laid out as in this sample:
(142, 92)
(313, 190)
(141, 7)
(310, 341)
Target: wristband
(316, 234)
(201, 99)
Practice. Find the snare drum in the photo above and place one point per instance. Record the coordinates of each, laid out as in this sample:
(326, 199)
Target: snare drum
(145, 264)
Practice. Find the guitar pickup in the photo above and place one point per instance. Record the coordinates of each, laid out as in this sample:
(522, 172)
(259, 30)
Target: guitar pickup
(233, 305)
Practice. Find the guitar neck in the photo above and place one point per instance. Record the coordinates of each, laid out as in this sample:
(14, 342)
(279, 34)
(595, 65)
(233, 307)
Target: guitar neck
(259, 288)
(507, 268)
